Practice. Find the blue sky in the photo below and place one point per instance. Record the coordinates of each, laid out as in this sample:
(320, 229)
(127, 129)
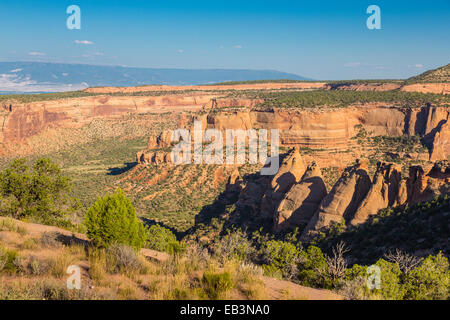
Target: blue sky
(316, 39)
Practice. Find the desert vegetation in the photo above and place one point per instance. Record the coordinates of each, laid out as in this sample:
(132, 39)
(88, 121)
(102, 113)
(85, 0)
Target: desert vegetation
(144, 230)
(40, 193)
(234, 264)
(33, 266)
(339, 99)
(437, 75)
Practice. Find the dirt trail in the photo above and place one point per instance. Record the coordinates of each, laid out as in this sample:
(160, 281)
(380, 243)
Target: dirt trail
(38, 229)
(280, 289)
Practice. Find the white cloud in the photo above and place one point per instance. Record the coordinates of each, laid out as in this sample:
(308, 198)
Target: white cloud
(418, 66)
(180, 50)
(83, 42)
(16, 70)
(36, 53)
(17, 83)
(238, 46)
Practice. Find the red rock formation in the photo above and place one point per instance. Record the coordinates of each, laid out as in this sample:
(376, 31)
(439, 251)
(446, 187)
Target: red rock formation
(424, 184)
(363, 86)
(328, 129)
(342, 201)
(302, 200)
(384, 192)
(441, 143)
(440, 88)
(257, 86)
(291, 170)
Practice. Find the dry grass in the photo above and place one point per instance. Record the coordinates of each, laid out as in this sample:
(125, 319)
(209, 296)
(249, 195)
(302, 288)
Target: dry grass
(60, 263)
(8, 224)
(38, 265)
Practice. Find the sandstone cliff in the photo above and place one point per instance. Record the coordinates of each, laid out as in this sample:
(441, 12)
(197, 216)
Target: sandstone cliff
(342, 201)
(291, 170)
(302, 200)
(439, 88)
(384, 192)
(289, 201)
(332, 131)
(441, 143)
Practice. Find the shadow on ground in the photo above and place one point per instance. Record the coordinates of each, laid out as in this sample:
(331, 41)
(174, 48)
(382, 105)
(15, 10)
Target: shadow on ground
(119, 170)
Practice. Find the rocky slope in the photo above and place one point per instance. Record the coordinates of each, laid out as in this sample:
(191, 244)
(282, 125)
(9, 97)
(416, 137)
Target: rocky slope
(441, 74)
(297, 196)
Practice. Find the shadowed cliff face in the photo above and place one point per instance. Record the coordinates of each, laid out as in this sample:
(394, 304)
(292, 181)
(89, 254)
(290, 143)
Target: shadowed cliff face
(301, 201)
(285, 201)
(297, 196)
(342, 201)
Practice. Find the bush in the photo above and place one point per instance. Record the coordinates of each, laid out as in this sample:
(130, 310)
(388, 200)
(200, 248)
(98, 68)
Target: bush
(272, 271)
(391, 288)
(112, 219)
(235, 245)
(354, 284)
(314, 268)
(356, 271)
(40, 192)
(9, 261)
(216, 285)
(123, 259)
(430, 280)
(38, 267)
(162, 239)
(46, 289)
(282, 255)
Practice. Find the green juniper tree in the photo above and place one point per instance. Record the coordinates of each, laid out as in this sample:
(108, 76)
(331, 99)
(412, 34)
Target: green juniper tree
(40, 192)
(112, 219)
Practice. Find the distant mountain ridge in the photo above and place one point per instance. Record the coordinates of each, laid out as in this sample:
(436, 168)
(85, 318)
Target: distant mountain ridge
(28, 77)
(441, 74)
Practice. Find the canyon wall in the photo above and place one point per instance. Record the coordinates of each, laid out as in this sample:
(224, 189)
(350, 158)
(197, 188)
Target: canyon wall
(330, 131)
(326, 130)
